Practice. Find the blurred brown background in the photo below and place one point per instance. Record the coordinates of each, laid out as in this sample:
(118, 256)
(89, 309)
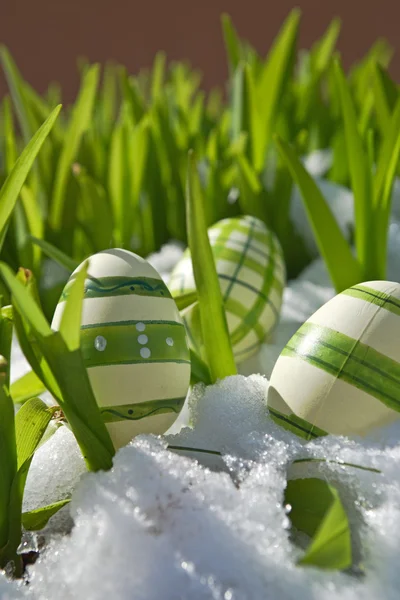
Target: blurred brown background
(46, 36)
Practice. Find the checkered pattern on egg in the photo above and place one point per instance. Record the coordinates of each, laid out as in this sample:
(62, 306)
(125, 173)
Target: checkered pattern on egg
(251, 272)
(134, 344)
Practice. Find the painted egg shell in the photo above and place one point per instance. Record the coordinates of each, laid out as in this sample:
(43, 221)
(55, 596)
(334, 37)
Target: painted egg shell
(340, 373)
(251, 272)
(133, 343)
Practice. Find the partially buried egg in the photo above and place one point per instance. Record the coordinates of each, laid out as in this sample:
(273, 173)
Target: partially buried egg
(340, 373)
(133, 343)
(251, 272)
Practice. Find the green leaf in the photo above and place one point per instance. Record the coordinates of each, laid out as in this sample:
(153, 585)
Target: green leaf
(199, 369)
(383, 185)
(31, 422)
(26, 387)
(8, 463)
(158, 75)
(94, 211)
(316, 510)
(70, 326)
(79, 123)
(214, 328)
(24, 302)
(386, 93)
(273, 80)
(12, 186)
(232, 42)
(38, 518)
(57, 255)
(184, 300)
(360, 179)
(343, 268)
(322, 51)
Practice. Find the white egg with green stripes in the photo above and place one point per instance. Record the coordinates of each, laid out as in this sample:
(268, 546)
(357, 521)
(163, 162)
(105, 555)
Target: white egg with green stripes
(340, 372)
(251, 272)
(133, 343)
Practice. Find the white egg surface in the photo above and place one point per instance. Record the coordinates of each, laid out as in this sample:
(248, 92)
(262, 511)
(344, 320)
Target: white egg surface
(133, 343)
(340, 373)
(251, 272)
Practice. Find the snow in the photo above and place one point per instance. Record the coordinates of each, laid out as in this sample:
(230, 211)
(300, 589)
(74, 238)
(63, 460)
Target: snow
(169, 523)
(162, 525)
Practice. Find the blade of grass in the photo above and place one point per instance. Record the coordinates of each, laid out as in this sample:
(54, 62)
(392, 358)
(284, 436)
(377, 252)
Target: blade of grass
(318, 512)
(26, 387)
(34, 520)
(12, 186)
(57, 255)
(70, 326)
(212, 314)
(360, 179)
(274, 78)
(232, 42)
(343, 268)
(79, 123)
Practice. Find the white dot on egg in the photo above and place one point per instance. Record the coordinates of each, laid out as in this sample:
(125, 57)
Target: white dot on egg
(100, 343)
(145, 352)
(170, 341)
(143, 339)
(140, 326)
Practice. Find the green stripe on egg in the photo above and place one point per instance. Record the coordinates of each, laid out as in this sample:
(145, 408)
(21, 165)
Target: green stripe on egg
(341, 369)
(133, 344)
(103, 287)
(129, 343)
(141, 410)
(251, 271)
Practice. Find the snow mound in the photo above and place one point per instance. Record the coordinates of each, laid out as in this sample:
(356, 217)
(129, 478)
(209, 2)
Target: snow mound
(162, 525)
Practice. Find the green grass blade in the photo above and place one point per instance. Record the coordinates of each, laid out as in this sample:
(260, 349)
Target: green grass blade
(26, 387)
(8, 462)
(35, 222)
(31, 422)
(217, 343)
(360, 178)
(24, 302)
(318, 512)
(79, 123)
(383, 184)
(15, 83)
(199, 370)
(184, 300)
(12, 186)
(70, 326)
(34, 520)
(386, 93)
(343, 268)
(232, 42)
(322, 51)
(10, 143)
(274, 78)
(158, 75)
(94, 211)
(57, 255)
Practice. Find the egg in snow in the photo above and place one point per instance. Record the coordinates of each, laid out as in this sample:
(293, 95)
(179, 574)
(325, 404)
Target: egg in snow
(340, 373)
(133, 343)
(251, 272)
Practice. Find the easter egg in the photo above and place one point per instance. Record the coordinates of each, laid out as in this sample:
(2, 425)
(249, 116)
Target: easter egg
(133, 343)
(340, 372)
(251, 273)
